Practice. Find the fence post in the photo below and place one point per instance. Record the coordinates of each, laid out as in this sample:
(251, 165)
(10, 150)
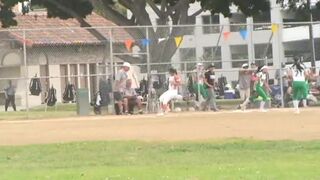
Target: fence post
(280, 69)
(111, 71)
(26, 71)
(148, 65)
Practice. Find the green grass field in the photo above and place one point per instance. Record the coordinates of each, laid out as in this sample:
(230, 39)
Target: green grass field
(228, 159)
(62, 110)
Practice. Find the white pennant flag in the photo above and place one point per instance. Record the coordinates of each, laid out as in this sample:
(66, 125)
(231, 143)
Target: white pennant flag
(161, 39)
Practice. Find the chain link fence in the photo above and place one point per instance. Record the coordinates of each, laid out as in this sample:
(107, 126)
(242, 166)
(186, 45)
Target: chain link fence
(90, 58)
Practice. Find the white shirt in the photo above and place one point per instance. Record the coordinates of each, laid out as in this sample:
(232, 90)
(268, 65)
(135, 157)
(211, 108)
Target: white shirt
(297, 75)
(262, 78)
(171, 83)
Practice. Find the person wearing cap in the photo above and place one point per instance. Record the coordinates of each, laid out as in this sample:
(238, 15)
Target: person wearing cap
(244, 85)
(262, 86)
(119, 86)
(198, 79)
(209, 82)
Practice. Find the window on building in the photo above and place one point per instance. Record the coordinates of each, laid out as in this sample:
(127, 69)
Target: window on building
(189, 30)
(83, 78)
(237, 22)
(74, 74)
(212, 54)
(239, 55)
(187, 58)
(263, 54)
(213, 24)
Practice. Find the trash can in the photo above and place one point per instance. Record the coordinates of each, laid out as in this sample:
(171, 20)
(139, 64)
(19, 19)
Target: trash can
(83, 106)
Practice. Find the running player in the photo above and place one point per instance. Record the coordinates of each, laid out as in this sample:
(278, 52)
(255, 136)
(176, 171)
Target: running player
(262, 85)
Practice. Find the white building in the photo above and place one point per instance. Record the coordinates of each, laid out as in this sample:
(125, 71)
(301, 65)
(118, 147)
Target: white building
(259, 46)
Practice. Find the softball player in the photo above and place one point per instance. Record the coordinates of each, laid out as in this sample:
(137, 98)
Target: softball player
(262, 85)
(172, 92)
(299, 86)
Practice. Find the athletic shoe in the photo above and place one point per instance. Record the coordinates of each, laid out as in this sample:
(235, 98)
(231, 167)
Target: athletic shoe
(263, 110)
(160, 114)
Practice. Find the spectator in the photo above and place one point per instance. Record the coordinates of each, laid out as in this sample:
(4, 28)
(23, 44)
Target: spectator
(10, 92)
(244, 85)
(285, 81)
(209, 81)
(198, 78)
(131, 99)
(120, 84)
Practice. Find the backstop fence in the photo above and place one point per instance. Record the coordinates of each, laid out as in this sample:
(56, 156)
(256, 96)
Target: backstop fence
(89, 58)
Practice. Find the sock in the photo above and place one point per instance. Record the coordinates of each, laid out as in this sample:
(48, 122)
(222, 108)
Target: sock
(296, 105)
(262, 103)
(304, 102)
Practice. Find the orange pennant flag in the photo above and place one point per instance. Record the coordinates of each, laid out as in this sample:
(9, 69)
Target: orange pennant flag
(226, 35)
(178, 40)
(274, 28)
(129, 43)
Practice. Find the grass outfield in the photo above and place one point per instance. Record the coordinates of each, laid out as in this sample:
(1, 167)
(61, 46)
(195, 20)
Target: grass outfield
(62, 110)
(229, 159)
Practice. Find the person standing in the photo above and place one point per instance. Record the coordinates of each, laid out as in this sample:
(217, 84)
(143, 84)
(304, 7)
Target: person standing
(262, 86)
(120, 84)
(244, 85)
(172, 92)
(209, 82)
(298, 75)
(10, 92)
(198, 84)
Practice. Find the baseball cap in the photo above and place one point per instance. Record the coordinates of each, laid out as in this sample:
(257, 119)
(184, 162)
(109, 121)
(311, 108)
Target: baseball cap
(211, 65)
(264, 67)
(245, 65)
(126, 64)
(199, 64)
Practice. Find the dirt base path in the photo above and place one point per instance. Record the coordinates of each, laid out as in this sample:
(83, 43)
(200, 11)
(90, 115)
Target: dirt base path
(277, 124)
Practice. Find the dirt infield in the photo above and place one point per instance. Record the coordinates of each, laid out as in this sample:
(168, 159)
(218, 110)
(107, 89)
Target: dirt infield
(277, 124)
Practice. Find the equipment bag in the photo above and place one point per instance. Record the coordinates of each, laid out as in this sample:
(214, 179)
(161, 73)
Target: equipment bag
(51, 98)
(68, 94)
(35, 86)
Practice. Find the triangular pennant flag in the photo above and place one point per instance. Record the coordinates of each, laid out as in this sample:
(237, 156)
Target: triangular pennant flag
(274, 28)
(129, 43)
(178, 40)
(161, 39)
(145, 42)
(226, 35)
(244, 33)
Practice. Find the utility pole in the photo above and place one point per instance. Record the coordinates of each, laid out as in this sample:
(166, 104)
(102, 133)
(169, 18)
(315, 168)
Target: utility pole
(313, 56)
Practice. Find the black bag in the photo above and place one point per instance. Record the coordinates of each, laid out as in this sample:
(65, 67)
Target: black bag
(51, 98)
(68, 94)
(105, 87)
(35, 86)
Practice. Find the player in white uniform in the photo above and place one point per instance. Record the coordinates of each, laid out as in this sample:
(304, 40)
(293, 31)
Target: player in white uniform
(172, 92)
(298, 75)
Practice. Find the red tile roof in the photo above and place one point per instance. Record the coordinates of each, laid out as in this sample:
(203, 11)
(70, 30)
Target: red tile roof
(43, 31)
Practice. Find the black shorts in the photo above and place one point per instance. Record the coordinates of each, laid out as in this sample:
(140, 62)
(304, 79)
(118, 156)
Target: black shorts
(118, 96)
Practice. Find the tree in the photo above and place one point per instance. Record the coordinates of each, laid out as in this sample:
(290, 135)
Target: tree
(175, 11)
